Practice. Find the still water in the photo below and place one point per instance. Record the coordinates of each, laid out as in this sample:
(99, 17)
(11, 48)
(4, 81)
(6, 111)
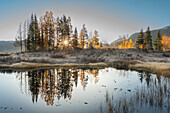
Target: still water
(74, 90)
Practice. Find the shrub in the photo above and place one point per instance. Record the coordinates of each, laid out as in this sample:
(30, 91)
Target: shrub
(166, 55)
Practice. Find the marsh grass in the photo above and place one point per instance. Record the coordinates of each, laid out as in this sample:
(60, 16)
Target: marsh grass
(154, 67)
(152, 96)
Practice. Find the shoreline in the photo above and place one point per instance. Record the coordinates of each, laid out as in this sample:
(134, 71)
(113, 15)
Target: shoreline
(151, 67)
(125, 59)
(27, 65)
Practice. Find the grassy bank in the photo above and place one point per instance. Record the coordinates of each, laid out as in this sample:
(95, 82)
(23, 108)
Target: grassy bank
(26, 65)
(153, 67)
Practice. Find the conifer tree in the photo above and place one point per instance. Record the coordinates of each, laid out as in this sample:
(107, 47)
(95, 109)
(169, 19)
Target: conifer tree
(37, 40)
(83, 38)
(95, 40)
(85, 35)
(51, 31)
(157, 43)
(33, 33)
(75, 38)
(24, 35)
(148, 40)
(30, 37)
(140, 40)
(160, 41)
(57, 31)
(42, 33)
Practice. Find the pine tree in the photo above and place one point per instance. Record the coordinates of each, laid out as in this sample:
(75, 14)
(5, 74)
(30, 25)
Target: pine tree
(148, 40)
(140, 40)
(24, 35)
(75, 38)
(83, 37)
(57, 31)
(70, 32)
(157, 43)
(37, 35)
(51, 41)
(81, 40)
(95, 40)
(42, 33)
(46, 32)
(30, 37)
(33, 33)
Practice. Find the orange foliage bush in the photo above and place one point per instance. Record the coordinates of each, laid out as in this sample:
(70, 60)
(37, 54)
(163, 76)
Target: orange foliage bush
(165, 43)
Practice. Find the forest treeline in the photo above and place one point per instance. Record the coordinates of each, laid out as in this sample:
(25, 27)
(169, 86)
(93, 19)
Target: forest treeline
(144, 42)
(50, 33)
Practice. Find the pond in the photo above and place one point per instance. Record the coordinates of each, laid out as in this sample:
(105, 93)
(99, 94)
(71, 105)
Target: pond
(79, 90)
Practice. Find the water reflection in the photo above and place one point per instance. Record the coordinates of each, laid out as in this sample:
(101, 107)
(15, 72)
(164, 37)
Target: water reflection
(154, 96)
(117, 90)
(54, 82)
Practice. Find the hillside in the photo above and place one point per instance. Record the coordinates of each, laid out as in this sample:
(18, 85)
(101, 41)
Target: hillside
(117, 41)
(8, 47)
(164, 31)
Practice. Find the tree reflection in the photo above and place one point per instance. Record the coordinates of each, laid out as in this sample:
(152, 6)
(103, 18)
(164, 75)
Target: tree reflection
(153, 95)
(55, 83)
(145, 76)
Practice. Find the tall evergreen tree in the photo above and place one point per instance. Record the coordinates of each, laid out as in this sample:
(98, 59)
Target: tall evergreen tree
(42, 33)
(70, 32)
(75, 38)
(140, 40)
(24, 35)
(51, 29)
(148, 40)
(33, 33)
(95, 39)
(57, 31)
(37, 40)
(157, 43)
(30, 37)
(83, 37)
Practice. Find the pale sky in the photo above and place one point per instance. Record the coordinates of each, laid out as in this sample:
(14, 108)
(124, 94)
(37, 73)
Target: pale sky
(111, 18)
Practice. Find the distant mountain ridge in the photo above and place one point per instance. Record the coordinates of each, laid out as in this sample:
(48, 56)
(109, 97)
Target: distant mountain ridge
(8, 47)
(164, 31)
(117, 40)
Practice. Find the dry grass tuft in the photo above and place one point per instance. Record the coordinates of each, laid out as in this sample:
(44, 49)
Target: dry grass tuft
(155, 67)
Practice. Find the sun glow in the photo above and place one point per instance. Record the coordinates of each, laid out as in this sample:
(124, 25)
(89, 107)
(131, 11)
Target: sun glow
(65, 42)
